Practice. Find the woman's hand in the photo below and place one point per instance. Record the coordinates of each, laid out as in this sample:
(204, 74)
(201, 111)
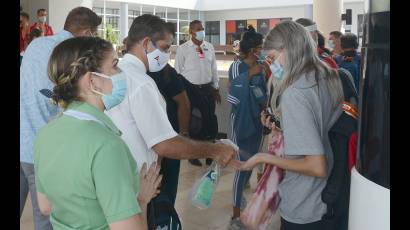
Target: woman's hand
(149, 183)
(266, 121)
(257, 159)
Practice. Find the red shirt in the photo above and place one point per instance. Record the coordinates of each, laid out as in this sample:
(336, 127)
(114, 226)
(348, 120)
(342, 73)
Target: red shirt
(23, 40)
(327, 58)
(47, 32)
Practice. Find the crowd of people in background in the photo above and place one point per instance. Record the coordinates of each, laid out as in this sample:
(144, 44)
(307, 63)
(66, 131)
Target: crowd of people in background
(29, 32)
(106, 150)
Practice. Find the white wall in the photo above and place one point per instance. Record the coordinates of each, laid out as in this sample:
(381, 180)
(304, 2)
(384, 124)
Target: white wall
(31, 7)
(184, 4)
(294, 12)
(207, 5)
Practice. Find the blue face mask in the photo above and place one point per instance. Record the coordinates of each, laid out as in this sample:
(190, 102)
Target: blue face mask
(277, 68)
(330, 44)
(119, 89)
(200, 35)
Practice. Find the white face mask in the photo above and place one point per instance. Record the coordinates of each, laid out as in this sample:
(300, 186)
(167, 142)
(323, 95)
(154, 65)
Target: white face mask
(42, 19)
(157, 60)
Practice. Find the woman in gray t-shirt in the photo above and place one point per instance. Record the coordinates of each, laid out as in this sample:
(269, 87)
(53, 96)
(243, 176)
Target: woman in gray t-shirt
(307, 102)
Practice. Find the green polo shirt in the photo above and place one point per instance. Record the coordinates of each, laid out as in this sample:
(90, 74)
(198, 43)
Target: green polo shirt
(86, 171)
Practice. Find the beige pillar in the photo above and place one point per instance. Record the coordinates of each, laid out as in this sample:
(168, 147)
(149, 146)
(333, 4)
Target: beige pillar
(58, 11)
(327, 14)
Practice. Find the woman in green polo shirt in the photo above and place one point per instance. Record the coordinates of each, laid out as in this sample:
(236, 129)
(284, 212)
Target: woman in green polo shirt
(86, 177)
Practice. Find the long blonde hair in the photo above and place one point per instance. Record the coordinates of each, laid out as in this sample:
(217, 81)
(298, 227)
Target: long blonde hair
(301, 58)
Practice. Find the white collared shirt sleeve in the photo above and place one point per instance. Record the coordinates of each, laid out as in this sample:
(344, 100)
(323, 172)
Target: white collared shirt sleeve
(215, 78)
(179, 60)
(150, 117)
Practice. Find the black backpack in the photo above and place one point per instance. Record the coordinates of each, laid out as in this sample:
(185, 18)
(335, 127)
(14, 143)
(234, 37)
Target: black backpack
(162, 214)
(336, 193)
(203, 123)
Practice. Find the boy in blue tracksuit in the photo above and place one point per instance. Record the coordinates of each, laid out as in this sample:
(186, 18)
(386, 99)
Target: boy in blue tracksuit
(350, 59)
(247, 94)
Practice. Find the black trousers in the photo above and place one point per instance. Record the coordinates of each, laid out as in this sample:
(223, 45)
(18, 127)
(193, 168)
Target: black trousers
(170, 171)
(318, 225)
(206, 92)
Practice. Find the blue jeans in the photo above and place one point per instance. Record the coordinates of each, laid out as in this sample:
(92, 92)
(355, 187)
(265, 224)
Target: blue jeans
(27, 183)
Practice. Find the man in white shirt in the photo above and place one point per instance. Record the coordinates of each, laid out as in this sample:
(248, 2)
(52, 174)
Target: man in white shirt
(196, 61)
(142, 116)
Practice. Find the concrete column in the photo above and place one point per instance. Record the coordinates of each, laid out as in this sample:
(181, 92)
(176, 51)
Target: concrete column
(327, 14)
(123, 21)
(58, 11)
(222, 32)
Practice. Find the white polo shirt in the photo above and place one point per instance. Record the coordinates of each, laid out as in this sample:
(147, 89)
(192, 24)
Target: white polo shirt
(142, 116)
(196, 68)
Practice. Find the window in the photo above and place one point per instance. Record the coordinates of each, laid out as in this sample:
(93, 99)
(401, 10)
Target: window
(183, 14)
(113, 20)
(183, 31)
(172, 13)
(133, 13)
(212, 33)
(112, 11)
(147, 10)
(194, 15)
(174, 41)
(160, 12)
(98, 10)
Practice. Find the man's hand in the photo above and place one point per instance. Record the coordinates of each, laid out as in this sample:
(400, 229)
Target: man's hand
(149, 183)
(224, 154)
(216, 95)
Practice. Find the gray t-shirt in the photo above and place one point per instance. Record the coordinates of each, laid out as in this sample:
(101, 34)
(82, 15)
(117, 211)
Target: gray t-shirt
(307, 115)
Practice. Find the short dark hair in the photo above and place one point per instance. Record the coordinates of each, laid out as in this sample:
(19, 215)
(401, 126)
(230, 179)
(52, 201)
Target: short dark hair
(40, 10)
(170, 28)
(336, 34)
(250, 40)
(81, 18)
(146, 25)
(348, 41)
(191, 24)
(305, 22)
(24, 14)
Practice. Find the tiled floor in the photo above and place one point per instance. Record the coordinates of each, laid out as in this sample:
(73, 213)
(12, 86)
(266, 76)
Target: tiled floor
(215, 218)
